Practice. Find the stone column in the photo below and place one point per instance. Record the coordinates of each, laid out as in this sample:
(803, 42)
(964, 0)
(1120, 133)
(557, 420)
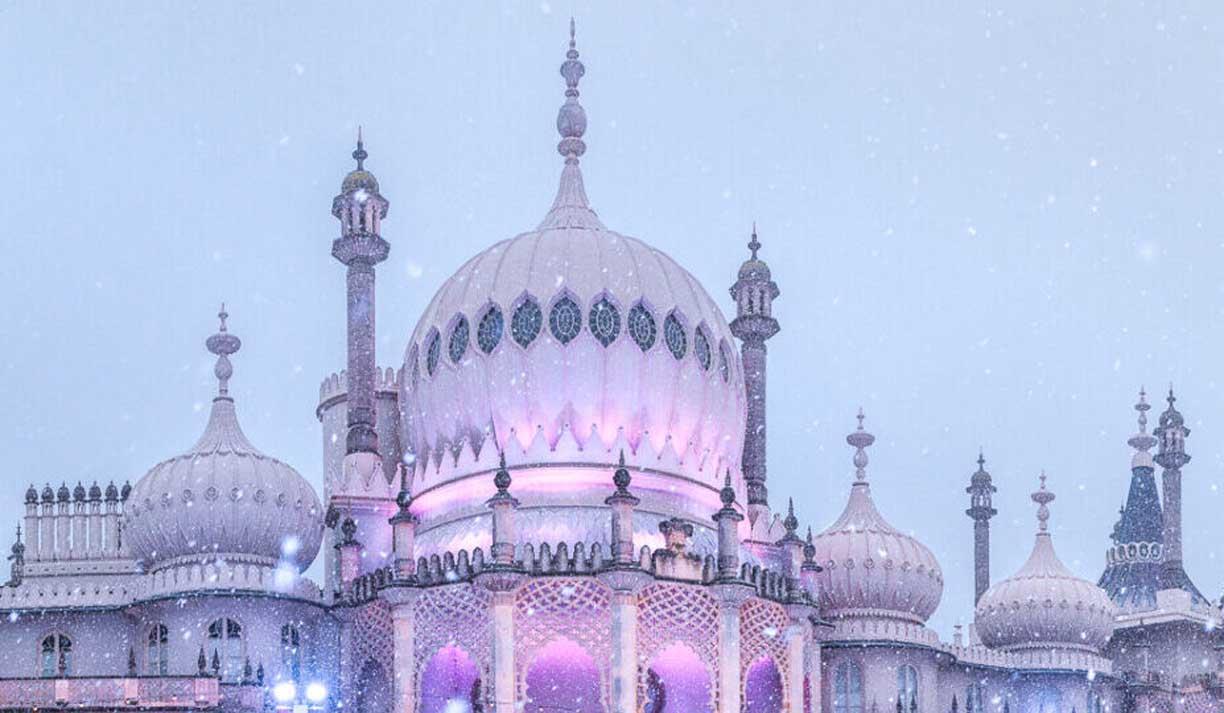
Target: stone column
(796, 665)
(403, 637)
(46, 527)
(63, 526)
(730, 597)
(625, 583)
(95, 526)
(502, 582)
(31, 527)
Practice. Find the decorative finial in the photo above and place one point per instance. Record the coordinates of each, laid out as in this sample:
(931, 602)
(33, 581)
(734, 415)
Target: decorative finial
(359, 154)
(502, 478)
(1141, 441)
(790, 522)
(223, 344)
(981, 461)
(571, 118)
(809, 548)
(1043, 498)
(754, 245)
(621, 477)
(727, 494)
(860, 439)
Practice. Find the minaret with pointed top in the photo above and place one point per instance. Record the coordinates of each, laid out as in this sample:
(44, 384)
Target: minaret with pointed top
(1132, 562)
(981, 509)
(754, 292)
(1171, 455)
(360, 208)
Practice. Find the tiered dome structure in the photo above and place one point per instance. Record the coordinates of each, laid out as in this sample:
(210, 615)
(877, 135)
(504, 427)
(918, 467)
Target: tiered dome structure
(1044, 607)
(223, 498)
(871, 569)
(563, 347)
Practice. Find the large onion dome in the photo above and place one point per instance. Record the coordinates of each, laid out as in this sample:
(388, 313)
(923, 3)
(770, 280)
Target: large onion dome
(565, 345)
(871, 569)
(223, 498)
(1044, 606)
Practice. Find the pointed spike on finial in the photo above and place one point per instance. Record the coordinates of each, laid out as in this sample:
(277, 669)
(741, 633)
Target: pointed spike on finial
(573, 32)
(359, 154)
(981, 461)
(790, 507)
(222, 315)
(621, 461)
(727, 479)
(860, 418)
(754, 244)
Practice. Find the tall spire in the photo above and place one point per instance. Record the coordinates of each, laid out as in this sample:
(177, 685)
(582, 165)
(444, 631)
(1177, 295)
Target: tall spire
(981, 510)
(359, 154)
(754, 292)
(571, 209)
(223, 344)
(1171, 455)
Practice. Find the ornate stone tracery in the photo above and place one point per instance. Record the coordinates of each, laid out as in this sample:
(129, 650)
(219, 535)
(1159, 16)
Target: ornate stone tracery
(458, 615)
(763, 626)
(677, 613)
(578, 610)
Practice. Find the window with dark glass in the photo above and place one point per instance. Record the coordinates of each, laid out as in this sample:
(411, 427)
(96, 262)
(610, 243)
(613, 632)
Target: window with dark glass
(291, 652)
(458, 340)
(489, 331)
(432, 353)
(673, 334)
(55, 656)
(565, 320)
(225, 640)
(526, 323)
(848, 688)
(641, 324)
(604, 321)
(157, 650)
(701, 348)
(907, 689)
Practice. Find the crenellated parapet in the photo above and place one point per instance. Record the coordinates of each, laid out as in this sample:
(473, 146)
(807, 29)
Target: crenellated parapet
(334, 387)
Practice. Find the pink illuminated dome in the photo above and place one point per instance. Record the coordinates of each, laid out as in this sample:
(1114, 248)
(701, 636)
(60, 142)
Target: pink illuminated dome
(564, 347)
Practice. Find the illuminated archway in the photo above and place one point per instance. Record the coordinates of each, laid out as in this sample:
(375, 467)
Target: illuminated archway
(563, 678)
(677, 681)
(373, 689)
(763, 687)
(450, 682)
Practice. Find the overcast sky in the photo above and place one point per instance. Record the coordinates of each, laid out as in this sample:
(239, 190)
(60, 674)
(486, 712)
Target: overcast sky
(990, 225)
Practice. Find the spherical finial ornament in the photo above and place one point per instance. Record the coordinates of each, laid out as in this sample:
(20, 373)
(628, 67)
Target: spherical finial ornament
(790, 522)
(754, 245)
(1043, 498)
(63, 493)
(349, 529)
(860, 440)
(78, 493)
(31, 495)
(502, 478)
(809, 548)
(359, 154)
(621, 477)
(112, 493)
(571, 118)
(727, 494)
(223, 344)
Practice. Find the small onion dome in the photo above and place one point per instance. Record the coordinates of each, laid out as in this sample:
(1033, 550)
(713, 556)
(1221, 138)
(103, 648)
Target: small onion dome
(869, 567)
(31, 494)
(755, 269)
(63, 493)
(112, 493)
(78, 493)
(48, 495)
(95, 492)
(359, 178)
(1044, 605)
(125, 491)
(223, 497)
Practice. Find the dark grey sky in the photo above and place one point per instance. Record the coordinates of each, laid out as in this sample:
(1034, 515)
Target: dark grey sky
(990, 224)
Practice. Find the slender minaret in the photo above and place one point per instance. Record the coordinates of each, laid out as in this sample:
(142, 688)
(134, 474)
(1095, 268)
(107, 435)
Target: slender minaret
(1171, 456)
(754, 292)
(360, 209)
(980, 511)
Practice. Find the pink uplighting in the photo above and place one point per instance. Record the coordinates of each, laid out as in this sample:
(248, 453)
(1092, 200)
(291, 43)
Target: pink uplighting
(681, 682)
(448, 682)
(563, 677)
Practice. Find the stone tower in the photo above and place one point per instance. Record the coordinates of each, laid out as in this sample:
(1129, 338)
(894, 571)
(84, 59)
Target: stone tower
(754, 292)
(980, 511)
(1171, 455)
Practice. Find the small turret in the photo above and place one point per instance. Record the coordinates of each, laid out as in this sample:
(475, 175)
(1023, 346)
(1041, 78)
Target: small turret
(728, 520)
(980, 511)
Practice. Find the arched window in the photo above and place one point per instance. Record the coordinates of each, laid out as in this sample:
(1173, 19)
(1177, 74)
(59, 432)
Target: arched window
(55, 656)
(673, 334)
(157, 652)
(291, 652)
(458, 340)
(974, 697)
(526, 322)
(225, 639)
(642, 327)
(604, 321)
(432, 353)
(701, 348)
(565, 320)
(907, 689)
(489, 331)
(848, 688)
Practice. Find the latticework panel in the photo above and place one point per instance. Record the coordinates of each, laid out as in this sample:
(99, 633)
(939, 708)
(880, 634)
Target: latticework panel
(578, 610)
(763, 627)
(454, 615)
(678, 613)
(371, 642)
